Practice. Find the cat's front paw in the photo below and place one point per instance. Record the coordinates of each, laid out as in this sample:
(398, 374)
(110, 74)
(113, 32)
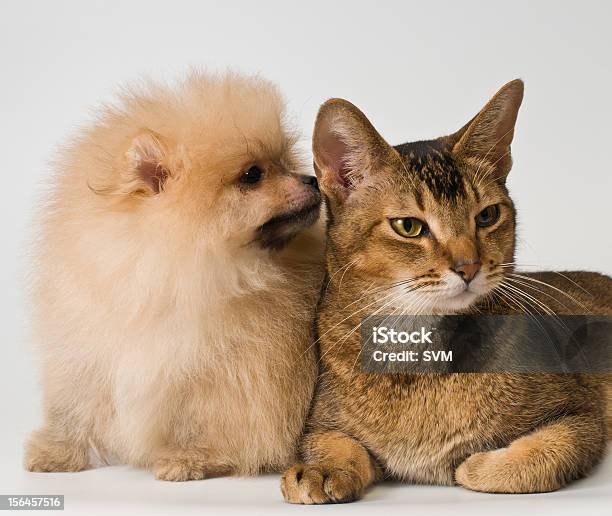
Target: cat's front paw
(501, 471)
(320, 483)
(180, 466)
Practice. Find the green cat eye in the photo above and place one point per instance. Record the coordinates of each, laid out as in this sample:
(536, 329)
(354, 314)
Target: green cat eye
(408, 227)
(488, 216)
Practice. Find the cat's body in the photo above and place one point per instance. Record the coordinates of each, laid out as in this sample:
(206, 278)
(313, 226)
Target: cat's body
(440, 420)
(488, 432)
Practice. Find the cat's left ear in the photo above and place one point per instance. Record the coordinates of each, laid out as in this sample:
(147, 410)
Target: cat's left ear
(348, 151)
(487, 137)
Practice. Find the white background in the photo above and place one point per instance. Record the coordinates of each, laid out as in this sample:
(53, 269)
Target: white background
(417, 69)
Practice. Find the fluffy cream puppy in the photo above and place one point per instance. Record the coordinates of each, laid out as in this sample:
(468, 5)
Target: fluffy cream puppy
(173, 319)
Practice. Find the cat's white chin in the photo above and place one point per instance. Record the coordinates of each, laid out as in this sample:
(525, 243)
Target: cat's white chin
(453, 296)
(438, 303)
(458, 296)
(457, 303)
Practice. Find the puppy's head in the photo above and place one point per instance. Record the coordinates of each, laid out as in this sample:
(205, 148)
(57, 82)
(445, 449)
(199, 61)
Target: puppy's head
(212, 158)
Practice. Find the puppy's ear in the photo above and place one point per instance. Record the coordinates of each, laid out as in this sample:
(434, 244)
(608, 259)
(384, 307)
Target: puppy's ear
(348, 151)
(484, 141)
(147, 164)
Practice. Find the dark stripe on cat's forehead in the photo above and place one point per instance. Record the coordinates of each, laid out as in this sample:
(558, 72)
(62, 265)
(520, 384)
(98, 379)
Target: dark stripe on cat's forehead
(432, 164)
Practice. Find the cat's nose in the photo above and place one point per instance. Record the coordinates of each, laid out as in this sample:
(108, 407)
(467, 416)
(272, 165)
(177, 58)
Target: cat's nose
(464, 258)
(467, 270)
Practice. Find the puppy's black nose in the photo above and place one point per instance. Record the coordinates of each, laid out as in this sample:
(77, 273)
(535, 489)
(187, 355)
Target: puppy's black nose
(310, 180)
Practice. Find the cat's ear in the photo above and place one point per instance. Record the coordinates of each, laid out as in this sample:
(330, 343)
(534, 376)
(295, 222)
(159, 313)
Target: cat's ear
(486, 139)
(347, 150)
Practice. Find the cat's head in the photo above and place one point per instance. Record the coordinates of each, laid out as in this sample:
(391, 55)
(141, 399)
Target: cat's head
(430, 223)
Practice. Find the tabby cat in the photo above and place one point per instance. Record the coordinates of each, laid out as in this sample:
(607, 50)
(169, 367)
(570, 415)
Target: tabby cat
(429, 228)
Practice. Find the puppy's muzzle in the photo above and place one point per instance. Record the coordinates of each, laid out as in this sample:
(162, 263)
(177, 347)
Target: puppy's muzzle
(279, 230)
(310, 181)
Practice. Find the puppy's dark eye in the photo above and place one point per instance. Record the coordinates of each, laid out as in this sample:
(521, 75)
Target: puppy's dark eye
(251, 176)
(488, 216)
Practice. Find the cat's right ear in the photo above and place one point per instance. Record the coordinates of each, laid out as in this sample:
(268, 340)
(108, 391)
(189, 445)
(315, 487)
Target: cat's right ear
(485, 140)
(348, 151)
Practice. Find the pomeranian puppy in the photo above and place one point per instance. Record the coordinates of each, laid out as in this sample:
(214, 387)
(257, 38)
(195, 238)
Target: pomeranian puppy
(173, 305)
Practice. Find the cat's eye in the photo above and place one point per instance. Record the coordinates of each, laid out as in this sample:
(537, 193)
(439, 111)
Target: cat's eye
(488, 216)
(251, 176)
(408, 227)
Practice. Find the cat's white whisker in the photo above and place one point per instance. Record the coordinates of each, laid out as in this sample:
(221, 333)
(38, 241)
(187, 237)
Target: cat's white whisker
(533, 287)
(574, 283)
(381, 289)
(538, 305)
(394, 297)
(539, 282)
(344, 267)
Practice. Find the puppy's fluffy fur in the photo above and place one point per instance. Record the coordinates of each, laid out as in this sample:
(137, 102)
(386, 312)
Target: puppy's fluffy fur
(174, 334)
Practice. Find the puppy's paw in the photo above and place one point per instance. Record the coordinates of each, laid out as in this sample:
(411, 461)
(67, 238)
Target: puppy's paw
(321, 483)
(183, 465)
(179, 470)
(46, 454)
